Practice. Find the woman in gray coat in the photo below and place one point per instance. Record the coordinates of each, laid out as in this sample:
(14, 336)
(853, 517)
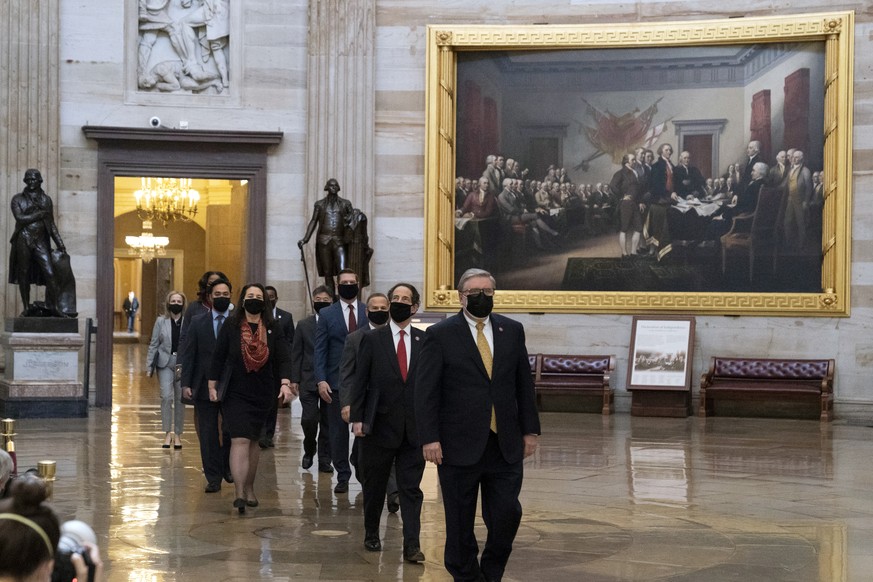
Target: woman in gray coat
(162, 358)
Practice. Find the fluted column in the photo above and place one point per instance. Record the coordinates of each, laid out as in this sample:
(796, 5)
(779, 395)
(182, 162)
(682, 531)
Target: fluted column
(29, 110)
(341, 108)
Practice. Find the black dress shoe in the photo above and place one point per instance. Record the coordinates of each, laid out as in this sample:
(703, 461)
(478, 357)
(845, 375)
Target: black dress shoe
(228, 477)
(325, 468)
(413, 554)
(213, 487)
(372, 543)
(252, 502)
(341, 487)
(263, 443)
(393, 502)
(307, 461)
(240, 504)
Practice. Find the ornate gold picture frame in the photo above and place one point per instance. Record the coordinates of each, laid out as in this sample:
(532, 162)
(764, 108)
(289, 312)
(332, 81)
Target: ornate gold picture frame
(563, 60)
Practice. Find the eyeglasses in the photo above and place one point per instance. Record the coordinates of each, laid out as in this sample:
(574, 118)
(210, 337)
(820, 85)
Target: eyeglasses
(474, 292)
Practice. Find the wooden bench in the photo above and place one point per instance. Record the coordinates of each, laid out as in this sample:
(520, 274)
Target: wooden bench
(571, 375)
(757, 379)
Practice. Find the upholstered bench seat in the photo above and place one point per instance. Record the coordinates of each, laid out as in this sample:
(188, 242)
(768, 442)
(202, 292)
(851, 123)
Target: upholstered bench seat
(561, 374)
(768, 379)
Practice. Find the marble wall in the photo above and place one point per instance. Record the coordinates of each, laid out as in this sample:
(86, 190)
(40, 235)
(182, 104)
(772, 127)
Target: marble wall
(272, 93)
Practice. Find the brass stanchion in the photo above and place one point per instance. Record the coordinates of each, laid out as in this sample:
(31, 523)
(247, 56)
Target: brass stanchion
(8, 443)
(47, 471)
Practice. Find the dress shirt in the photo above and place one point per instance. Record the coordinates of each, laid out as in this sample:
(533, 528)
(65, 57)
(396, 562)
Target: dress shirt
(354, 306)
(215, 315)
(395, 335)
(488, 330)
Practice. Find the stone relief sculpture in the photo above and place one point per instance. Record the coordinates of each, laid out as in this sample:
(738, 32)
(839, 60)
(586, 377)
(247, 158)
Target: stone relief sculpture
(342, 241)
(183, 46)
(31, 258)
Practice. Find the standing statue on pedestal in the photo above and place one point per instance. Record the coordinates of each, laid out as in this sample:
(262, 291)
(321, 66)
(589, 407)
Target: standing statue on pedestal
(341, 242)
(32, 260)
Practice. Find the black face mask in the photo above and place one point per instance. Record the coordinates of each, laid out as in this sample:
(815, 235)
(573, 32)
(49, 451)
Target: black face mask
(174, 308)
(378, 317)
(480, 305)
(254, 306)
(319, 305)
(220, 304)
(400, 311)
(348, 292)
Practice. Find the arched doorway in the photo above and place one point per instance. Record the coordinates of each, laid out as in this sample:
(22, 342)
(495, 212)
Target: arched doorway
(131, 152)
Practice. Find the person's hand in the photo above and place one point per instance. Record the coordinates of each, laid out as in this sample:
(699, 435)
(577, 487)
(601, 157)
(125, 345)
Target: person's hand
(358, 429)
(433, 453)
(295, 388)
(674, 197)
(187, 393)
(286, 395)
(734, 200)
(150, 372)
(346, 412)
(324, 391)
(300, 244)
(530, 444)
(82, 568)
(213, 392)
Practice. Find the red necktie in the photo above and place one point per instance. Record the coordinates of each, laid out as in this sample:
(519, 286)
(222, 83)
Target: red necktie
(353, 323)
(669, 178)
(401, 355)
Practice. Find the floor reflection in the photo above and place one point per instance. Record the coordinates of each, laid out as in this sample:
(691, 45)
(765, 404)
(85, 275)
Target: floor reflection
(605, 499)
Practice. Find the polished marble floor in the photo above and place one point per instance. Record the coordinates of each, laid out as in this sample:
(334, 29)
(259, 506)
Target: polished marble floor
(605, 499)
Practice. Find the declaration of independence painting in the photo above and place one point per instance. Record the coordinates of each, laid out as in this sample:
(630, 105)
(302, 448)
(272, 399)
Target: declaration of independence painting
(653, 169)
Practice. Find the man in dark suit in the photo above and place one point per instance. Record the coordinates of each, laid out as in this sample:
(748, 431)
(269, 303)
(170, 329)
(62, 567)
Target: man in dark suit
(662, 193)
(313, 419)
(377, 316)
(334, 324)
(196, 354)
(688, 179)
(286, 322)
(381, 400)
(753, 150)
(477, 419)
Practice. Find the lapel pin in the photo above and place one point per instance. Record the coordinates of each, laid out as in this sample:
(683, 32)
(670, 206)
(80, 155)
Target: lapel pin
(499, 329)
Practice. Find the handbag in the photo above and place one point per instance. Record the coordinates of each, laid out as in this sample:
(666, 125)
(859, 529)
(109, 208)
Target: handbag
(223, 381)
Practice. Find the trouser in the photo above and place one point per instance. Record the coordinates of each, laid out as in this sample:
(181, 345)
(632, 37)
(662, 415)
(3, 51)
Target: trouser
(316, 433)
(501, 511)
(172, 409)
(339, 439)
(376, 464)
(214, 446)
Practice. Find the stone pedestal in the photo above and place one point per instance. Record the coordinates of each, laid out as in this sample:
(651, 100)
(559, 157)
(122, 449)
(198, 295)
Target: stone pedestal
(42, 369)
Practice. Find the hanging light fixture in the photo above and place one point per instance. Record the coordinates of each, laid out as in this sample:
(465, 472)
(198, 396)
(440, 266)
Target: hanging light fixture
(166, 199)
(147, 246)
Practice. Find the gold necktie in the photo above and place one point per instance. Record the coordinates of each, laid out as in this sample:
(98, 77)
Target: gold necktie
(485, 353)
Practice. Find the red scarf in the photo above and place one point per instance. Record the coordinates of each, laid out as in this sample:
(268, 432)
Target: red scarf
(254, 346)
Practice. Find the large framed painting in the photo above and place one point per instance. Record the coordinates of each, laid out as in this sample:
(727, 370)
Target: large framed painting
(678, 167)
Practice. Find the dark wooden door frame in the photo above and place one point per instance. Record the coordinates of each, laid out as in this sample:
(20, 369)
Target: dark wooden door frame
(127, 151)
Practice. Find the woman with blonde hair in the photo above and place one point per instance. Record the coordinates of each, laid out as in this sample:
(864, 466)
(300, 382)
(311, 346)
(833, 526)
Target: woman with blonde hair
(162, 358)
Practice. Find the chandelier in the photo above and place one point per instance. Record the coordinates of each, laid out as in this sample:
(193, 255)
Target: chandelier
(166, 199)
(147, 246)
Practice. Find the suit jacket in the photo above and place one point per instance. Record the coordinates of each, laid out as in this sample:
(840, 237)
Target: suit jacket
(748, 200)
(330, 337)
(687, 180)
(380, 398)
(196, 354)
(349, 362)
(161, 345)
(625, 183)
(454, 396)
(658, 182)
(302, 351)
(286, 323)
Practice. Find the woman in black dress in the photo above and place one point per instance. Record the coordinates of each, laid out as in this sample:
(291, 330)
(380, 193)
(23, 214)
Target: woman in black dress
(253, 359)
